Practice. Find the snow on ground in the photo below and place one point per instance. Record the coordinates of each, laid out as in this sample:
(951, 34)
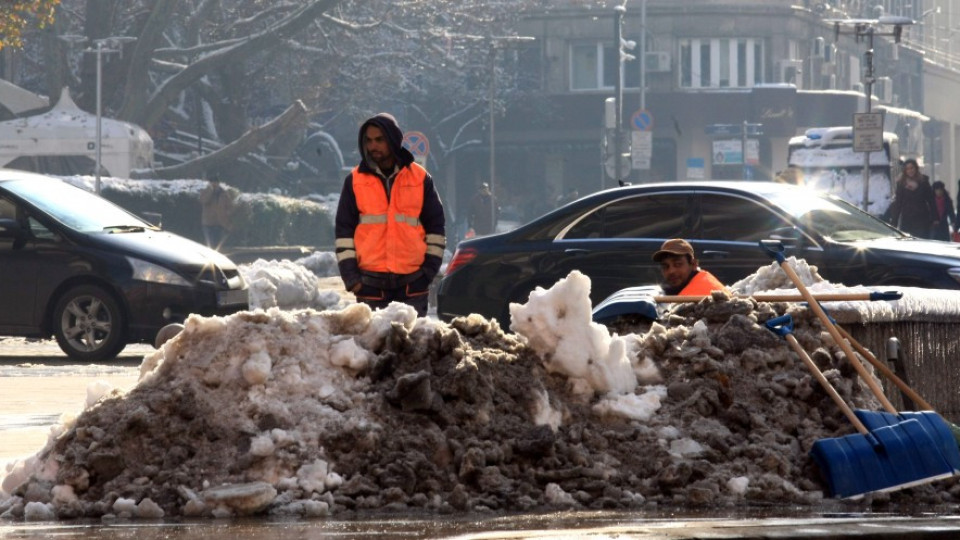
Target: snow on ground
(311, 412)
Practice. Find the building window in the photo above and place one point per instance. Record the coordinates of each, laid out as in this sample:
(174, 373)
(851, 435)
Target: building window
(593, 66)
(721, 63)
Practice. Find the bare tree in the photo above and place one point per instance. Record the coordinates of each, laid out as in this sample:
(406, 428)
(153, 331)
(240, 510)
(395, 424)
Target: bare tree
(200, 69)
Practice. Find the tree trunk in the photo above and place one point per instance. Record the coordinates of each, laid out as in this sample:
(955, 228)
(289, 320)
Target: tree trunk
(137, 90)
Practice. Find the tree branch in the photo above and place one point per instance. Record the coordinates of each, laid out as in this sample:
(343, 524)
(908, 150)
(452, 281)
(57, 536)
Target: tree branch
(295, 116)
(151, 111)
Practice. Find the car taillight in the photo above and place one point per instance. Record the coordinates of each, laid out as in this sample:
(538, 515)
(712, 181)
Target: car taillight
(461, 257)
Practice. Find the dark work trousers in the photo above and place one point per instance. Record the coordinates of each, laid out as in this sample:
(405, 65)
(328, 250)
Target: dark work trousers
(381, 298)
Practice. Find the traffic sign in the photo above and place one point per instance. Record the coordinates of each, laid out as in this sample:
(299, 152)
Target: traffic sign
(868, 132)
(641, 149)
(417, 143)
(733, 130)
(610, 166)
(642, 120)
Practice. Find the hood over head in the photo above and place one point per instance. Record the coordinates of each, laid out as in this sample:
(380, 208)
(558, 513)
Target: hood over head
(389, 125)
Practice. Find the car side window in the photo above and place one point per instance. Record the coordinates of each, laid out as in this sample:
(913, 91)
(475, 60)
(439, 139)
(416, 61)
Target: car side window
(7, 209)
(39, 230)
(35, 229)
(735, 219)
(642, 216)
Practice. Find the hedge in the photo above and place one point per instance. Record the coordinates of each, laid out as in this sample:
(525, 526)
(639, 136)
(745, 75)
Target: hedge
(260, 219)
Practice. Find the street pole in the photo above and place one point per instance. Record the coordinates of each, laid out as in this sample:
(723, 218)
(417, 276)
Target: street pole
(618, 94)
(868, 91)
(866, 29)
(743, 150)
(492, 106)
(493, 153)
(99, 115)
(643, 55)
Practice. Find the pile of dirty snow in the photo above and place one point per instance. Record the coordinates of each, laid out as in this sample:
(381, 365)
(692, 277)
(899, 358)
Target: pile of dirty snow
(311, 413)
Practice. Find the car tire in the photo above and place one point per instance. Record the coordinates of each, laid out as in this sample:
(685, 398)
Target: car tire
(89, 324)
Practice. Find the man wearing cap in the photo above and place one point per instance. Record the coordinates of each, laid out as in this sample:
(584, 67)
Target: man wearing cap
(681, 272)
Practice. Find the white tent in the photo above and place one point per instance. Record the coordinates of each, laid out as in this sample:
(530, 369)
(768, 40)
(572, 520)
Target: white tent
(63, 141)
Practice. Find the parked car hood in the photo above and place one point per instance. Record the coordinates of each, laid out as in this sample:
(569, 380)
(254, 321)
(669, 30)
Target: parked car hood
(163, 246)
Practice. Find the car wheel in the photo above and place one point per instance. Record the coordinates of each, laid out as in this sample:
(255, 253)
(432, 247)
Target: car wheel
(88, 324)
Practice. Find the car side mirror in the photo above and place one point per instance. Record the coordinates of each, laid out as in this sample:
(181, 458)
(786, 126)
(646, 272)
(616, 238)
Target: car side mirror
(10, 228)
(789, 236)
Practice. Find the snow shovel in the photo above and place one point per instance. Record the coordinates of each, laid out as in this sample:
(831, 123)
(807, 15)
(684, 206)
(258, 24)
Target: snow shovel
(775, 249)
(886, 458)
(642, 301)
(821, 297)
(946, 432)
(629, 301)
(938, 430)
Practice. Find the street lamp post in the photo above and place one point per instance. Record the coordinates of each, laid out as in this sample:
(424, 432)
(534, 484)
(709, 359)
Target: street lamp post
(104, 45)
(494, 40)
(619, 11)
(99, 115)
(110, 42)
(868, 30)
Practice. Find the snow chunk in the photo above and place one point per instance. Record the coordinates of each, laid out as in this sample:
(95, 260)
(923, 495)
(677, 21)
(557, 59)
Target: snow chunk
(38, 511)
(636, 407)
(558, 324)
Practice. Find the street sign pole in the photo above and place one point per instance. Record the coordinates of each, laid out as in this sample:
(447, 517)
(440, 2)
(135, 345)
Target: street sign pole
(617, 135)
(743, 150)
(868, 90)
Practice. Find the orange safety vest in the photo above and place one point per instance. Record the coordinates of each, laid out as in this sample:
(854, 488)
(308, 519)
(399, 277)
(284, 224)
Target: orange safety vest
(390, 237)
(703, 283)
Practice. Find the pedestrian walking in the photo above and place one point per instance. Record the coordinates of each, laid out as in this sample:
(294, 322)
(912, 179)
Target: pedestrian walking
(390, 224)
(216, 213)
(913, 209)
(484, 211)
(946, 218)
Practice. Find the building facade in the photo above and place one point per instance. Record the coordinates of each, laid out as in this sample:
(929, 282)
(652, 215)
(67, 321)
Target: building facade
(715, 77)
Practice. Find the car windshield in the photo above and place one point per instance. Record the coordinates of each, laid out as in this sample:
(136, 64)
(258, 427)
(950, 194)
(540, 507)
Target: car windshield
(833, 218)
(75, 208)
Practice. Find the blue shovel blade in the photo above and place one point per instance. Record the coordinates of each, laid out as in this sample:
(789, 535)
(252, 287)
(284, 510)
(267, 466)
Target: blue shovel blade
(629, 301)
(935, 425)
(889, 458)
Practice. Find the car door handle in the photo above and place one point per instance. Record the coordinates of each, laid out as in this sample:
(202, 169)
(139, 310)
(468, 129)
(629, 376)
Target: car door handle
(715, 254)
(576, 251)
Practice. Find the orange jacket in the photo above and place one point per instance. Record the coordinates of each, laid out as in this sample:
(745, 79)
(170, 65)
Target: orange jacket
(390, 237)
(702, 283)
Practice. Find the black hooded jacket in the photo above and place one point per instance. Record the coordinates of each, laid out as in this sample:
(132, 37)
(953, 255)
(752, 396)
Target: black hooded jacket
(348, 215)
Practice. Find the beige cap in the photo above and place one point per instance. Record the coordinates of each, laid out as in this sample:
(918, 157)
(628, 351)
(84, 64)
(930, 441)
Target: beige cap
(674, 246)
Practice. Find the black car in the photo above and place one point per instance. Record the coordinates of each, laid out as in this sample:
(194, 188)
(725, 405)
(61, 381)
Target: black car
(611, 236)
(76, 266)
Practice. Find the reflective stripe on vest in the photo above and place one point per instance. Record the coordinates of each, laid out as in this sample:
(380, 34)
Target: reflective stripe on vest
(390, 237)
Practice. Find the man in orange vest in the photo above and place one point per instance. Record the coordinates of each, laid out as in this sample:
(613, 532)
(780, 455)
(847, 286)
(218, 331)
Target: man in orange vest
(390, 224)
(681, 272)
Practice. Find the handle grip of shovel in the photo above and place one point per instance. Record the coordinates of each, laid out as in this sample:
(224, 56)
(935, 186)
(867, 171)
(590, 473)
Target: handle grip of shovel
(774, 248)
(781, 325)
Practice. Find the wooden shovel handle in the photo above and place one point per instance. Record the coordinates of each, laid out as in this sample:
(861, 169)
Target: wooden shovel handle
(821, 297)
(886, 371)
(837, 338)
(847, 411)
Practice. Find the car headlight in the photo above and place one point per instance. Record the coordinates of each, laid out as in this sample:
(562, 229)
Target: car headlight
(145, 271)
